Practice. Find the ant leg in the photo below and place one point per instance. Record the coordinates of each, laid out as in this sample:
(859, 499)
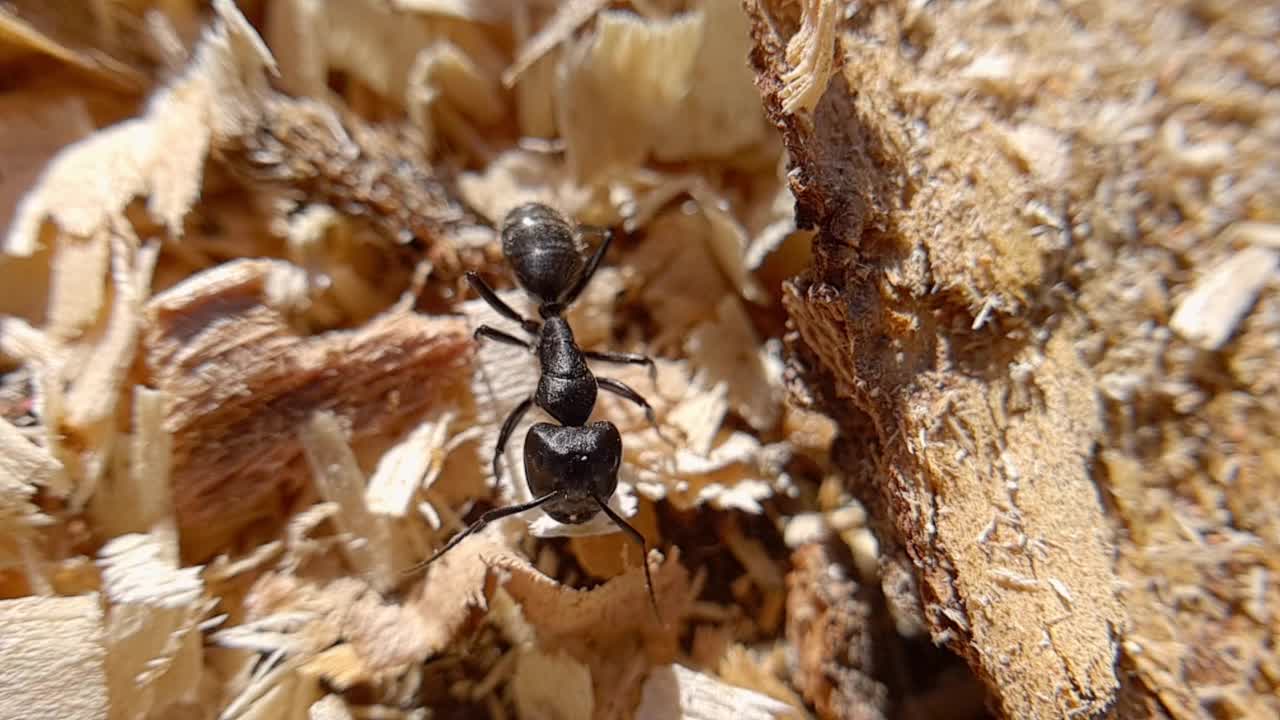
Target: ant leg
(484, 331)
(487, 294)
(478, 525)
(644, 549)
(591, 267)
(619, 388)
(625, 359)
(508, 426)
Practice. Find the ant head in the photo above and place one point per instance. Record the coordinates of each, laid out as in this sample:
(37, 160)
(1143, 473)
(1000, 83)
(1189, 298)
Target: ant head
(579, 461)
(543, 249)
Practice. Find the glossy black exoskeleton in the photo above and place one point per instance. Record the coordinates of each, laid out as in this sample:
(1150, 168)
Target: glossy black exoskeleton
(572, 468)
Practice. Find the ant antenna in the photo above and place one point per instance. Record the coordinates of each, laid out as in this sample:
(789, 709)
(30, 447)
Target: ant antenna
(478, 525)
(644, 549)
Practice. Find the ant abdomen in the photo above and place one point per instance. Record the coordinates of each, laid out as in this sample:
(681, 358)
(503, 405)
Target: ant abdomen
(543, 250)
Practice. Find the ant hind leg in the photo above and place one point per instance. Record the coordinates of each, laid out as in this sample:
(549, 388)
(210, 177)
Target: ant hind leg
(480, 524)
(644, 549)
(621, 389)
(508, 426)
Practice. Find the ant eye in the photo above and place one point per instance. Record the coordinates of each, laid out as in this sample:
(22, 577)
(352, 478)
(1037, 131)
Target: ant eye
(582, 458)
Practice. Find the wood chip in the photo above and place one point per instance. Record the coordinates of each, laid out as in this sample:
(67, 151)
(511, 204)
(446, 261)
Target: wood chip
(677, 692)
(55, 659)
(159, 155)
(1210, 313)
(240, 380)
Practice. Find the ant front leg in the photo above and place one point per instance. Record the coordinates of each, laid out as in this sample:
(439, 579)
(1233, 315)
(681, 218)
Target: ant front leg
(620, 389)
(622, 358)
(487, 294)
(492, 333)
(508, 426)
(592, 264)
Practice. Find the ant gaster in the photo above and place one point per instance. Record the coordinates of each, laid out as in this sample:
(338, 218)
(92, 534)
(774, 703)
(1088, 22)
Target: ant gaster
(572, 468)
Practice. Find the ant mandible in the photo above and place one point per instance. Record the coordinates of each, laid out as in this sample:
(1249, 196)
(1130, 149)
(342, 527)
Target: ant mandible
(571, 469)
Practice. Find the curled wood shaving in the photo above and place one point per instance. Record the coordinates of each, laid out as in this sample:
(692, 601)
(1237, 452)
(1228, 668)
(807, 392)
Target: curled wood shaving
(159, 155)
(54, 658)
(240, 381)
(675, 691)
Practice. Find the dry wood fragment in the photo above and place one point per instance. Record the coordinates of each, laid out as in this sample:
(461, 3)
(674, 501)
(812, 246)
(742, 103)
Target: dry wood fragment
(830, 626)
(54, 658)
(1211, 312)
(677, 692)
(953, 455)
(339, 480)
(159, 155)
(239, 381)
(152, 629)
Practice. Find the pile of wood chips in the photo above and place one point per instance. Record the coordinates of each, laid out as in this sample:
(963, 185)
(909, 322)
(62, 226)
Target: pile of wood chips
(965, 315)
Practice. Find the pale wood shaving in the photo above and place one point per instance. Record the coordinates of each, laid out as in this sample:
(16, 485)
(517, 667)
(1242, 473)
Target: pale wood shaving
(552, 686)
(93, 393)
(412, 464)
(159, 155)
(54, 659)
(77, 284)
(612, 82)
(141, 499)
(24, 466)
(811, 55)
(569, 16)
(20, 342)
(720, 115)
(340, 481)
(1210, 313)
(728, 242)
(152, 624)
(330, 707)
(675, 691)
(729, 351)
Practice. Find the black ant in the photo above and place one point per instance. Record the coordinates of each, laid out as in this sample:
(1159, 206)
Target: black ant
(572, 468)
